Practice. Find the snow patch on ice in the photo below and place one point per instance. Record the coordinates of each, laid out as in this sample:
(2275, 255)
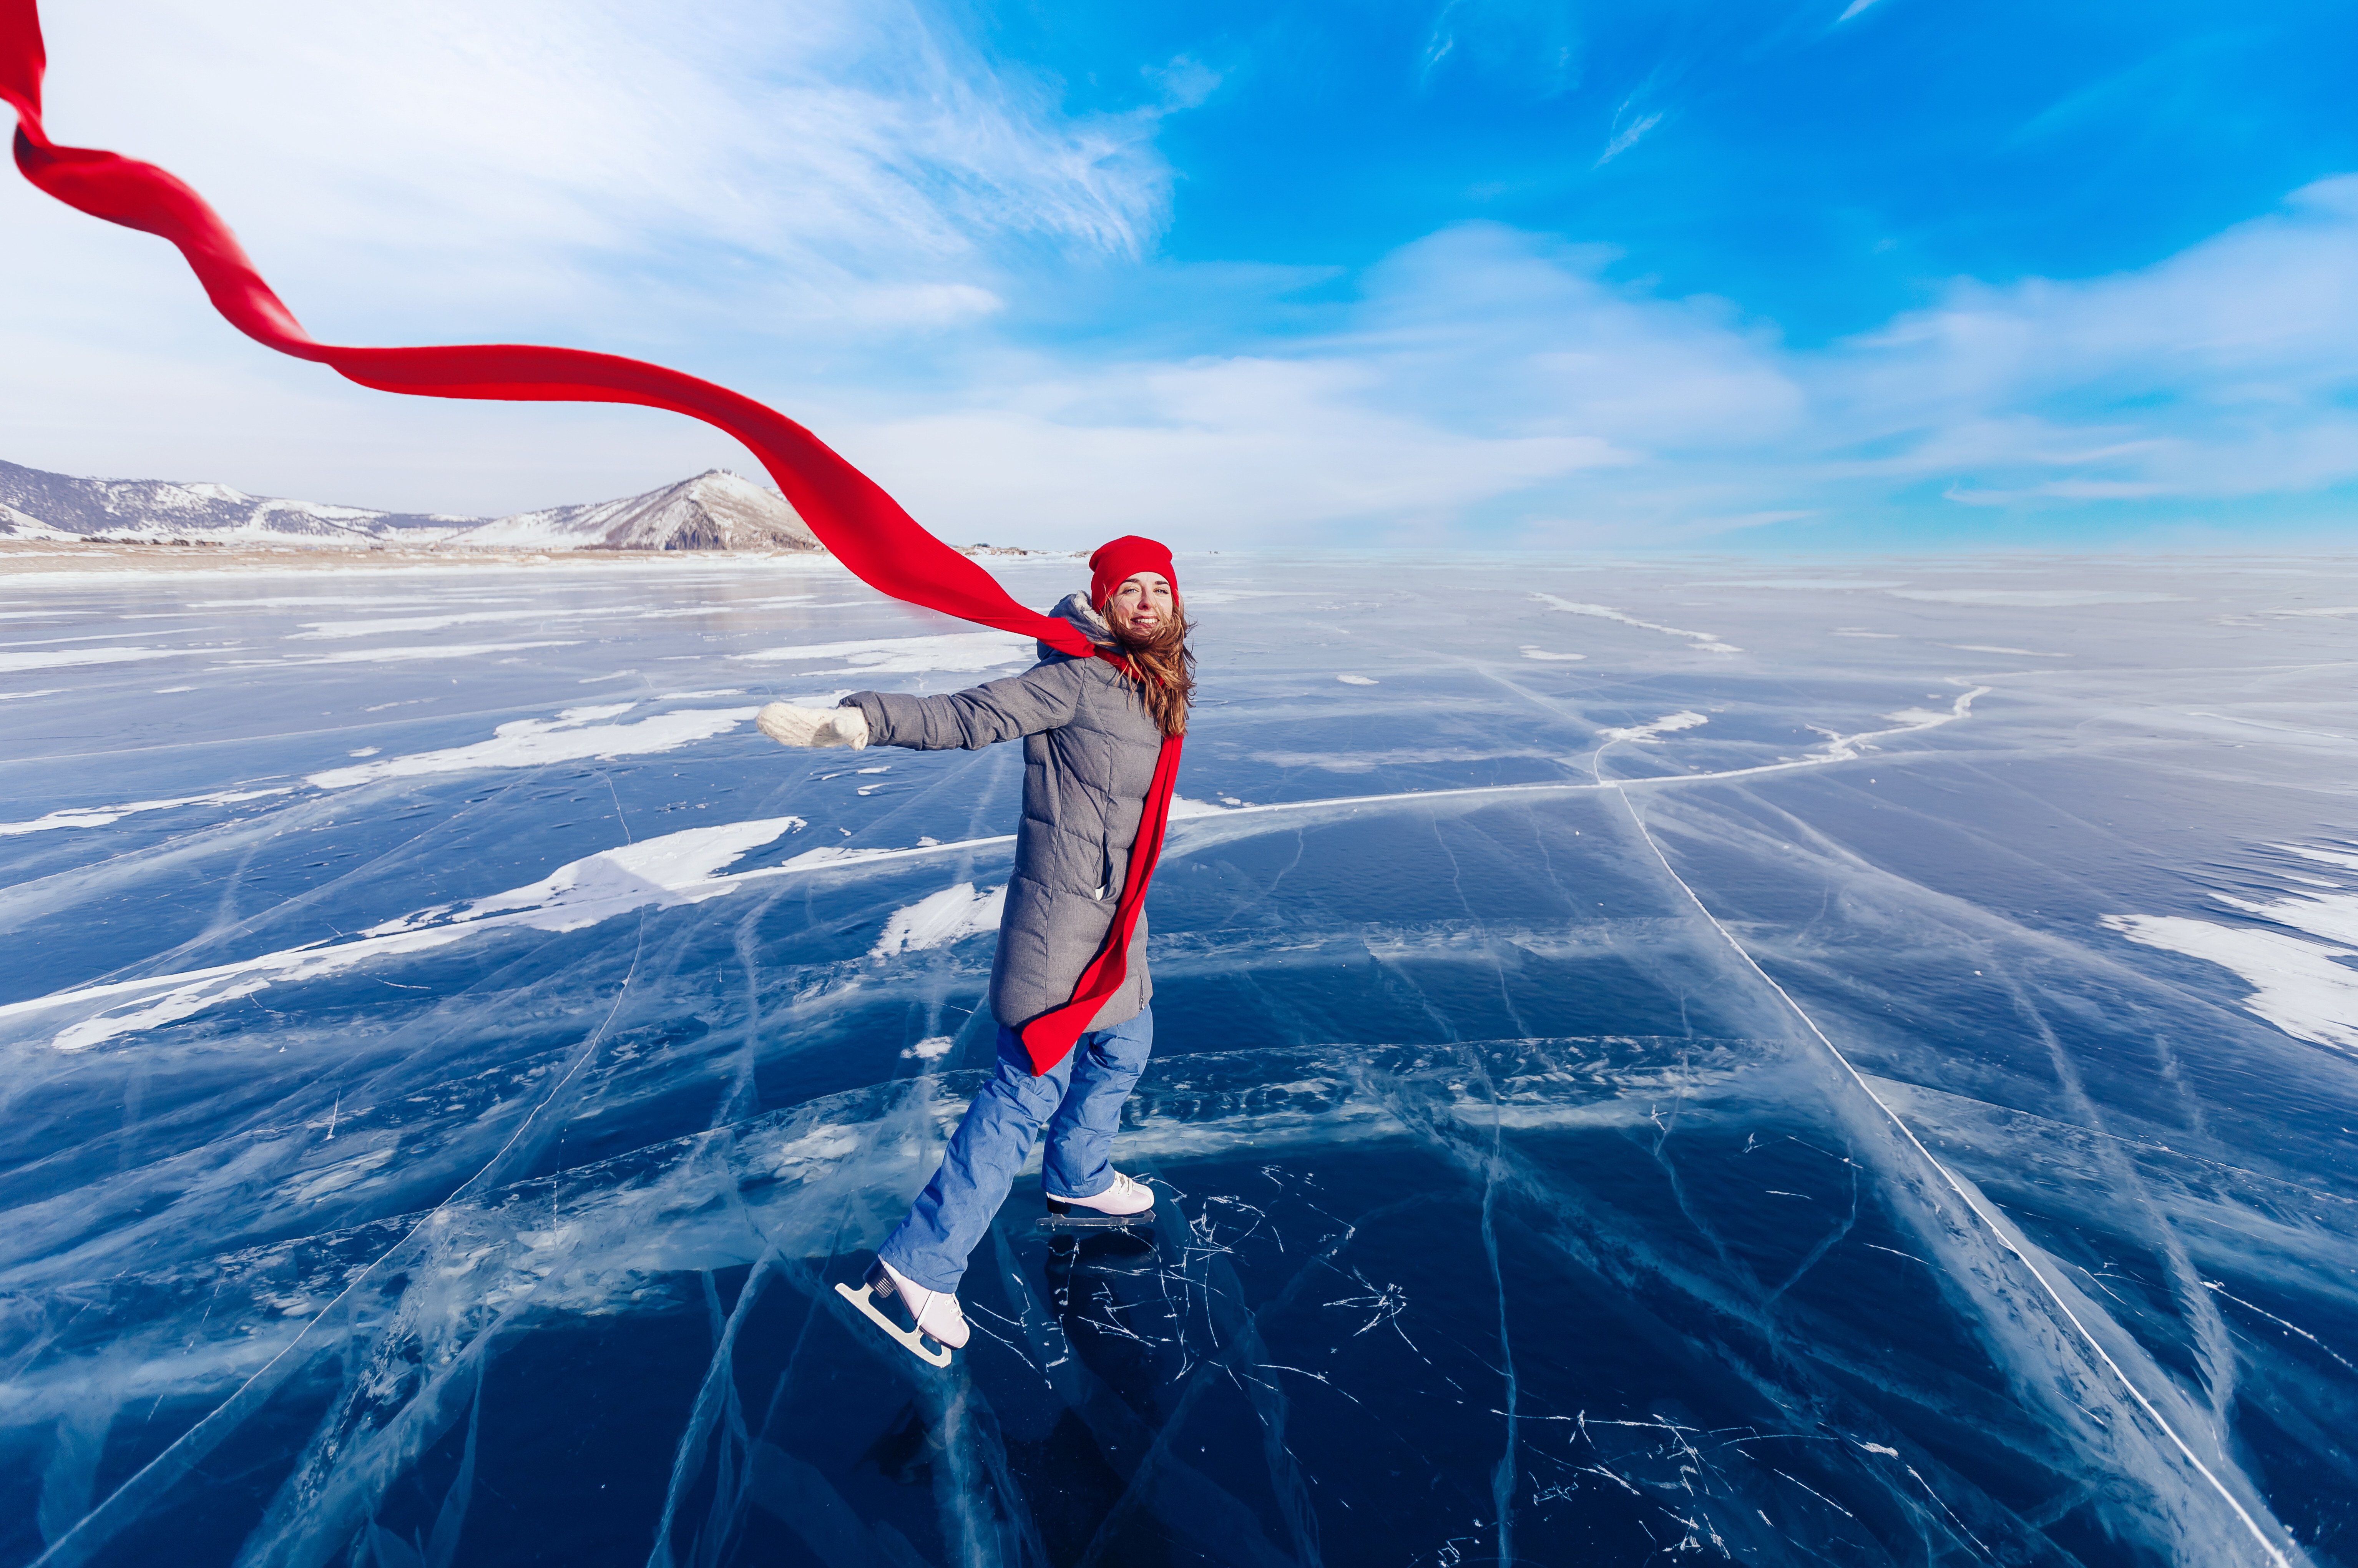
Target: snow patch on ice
(60, 658)
(2302, 987)
(572, 736)
(1670, 723)
(949, 651)
(331, 629)
(305, 599)
(821, 1145)
(837, 855)
(388, 656)
(1356, 680)
(730, 606)
(673, 868)
(1707, 640)
(344, 1174)
(932, 1049)
(1807, 582)
(589, 715)
(1531, 651)
(2032, 598)
(2332, 917)
(677, 868)
(2298, 985)
(936, 921)
(1399, 756)
(102, 816)
(2323, 857)
(2017, 652)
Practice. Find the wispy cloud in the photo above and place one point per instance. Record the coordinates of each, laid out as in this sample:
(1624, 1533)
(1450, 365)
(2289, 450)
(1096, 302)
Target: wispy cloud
(1627, 138)
(2224, 370)
(393, 168)
(1490, 383)
(769, 203)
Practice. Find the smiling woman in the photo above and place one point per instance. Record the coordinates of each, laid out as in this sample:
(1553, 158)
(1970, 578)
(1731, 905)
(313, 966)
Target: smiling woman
(1098, 735)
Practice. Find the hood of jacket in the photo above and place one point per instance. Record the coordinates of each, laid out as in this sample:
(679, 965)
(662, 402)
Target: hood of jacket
(1075, 607)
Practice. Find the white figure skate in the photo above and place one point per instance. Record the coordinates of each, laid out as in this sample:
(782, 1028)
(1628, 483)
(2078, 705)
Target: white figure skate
(1125, 1206)
(933, 1315)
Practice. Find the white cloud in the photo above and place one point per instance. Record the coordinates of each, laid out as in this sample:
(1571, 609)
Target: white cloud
(2222, 370)
(827, 175)
(782, 199)
(1491, 371)
(1222, 450)
(483, 159)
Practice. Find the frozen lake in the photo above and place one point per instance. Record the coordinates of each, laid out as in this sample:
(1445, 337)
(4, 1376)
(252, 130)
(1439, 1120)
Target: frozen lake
(1701, 1059)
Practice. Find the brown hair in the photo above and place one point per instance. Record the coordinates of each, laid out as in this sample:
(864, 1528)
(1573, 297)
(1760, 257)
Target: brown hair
(1162, 665)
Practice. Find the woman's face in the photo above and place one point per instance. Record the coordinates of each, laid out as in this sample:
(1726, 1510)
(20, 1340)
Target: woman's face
(1140, 604)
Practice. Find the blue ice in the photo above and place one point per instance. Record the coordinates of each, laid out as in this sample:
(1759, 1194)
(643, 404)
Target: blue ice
(1656, 1058)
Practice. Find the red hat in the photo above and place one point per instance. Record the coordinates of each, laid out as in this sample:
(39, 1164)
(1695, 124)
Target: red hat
(1119, 560)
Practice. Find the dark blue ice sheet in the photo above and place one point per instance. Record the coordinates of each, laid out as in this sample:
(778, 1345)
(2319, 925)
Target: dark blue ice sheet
(1822, 1102)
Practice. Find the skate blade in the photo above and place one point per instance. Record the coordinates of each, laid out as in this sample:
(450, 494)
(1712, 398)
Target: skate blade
(861, 1298)
(1055, 1224)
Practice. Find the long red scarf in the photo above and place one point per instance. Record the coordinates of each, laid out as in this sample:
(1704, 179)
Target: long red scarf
(862, 526)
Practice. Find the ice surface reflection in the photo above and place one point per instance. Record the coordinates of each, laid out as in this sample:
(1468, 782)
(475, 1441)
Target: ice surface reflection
(1805, 1090)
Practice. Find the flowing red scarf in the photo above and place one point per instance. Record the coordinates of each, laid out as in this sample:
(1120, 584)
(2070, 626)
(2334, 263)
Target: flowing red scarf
(862, 526)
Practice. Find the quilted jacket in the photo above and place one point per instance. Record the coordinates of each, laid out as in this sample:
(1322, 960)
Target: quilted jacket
(1090, 750)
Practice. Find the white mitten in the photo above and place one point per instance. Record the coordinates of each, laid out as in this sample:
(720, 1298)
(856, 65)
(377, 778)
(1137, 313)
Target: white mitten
(792, 726)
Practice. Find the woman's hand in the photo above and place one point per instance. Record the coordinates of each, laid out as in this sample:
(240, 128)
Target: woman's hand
(792, 726)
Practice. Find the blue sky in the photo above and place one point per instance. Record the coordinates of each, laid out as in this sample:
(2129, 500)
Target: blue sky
(1891, 276)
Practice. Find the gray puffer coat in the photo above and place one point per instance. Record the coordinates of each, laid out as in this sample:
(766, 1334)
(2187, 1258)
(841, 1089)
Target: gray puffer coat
(1090, 750)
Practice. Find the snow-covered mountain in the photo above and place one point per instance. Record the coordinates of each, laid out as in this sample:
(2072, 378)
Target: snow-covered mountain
(38, 505)
(714, 511)
(717, 509)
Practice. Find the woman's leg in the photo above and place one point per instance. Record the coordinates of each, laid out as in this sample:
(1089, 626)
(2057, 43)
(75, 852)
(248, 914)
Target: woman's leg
(950, 1216)
(1105, 1067)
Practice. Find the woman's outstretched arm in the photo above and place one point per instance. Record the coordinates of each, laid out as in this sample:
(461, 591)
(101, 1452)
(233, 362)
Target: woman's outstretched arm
(1043, 698)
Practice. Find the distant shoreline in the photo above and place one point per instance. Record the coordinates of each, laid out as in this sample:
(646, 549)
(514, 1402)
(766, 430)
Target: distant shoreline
(21, 559)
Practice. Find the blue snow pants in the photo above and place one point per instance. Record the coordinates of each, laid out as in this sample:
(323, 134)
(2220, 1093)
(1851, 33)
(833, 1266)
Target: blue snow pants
(1080, 1099)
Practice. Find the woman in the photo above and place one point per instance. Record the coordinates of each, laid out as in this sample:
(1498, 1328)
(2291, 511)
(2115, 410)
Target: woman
(1092, 734)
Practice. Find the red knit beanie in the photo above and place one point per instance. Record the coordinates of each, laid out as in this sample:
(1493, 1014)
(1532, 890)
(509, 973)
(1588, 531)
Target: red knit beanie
(1119, 560)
